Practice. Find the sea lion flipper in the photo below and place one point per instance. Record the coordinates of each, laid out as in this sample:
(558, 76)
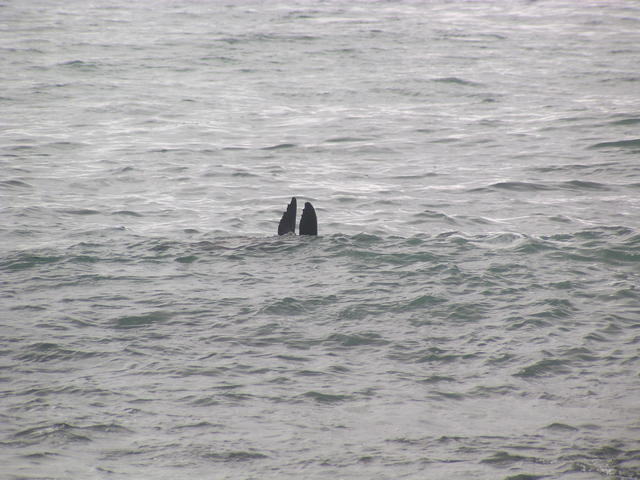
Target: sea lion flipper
(288, 220)
(308, 221)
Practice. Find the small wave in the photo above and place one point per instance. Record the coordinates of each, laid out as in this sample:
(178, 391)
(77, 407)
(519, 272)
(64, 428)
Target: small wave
(433, 215)
(534, 187)
(433, 355)
(15, 183)
(195, 426)
(346, 199)
(504, 238)
(529, 323)
(128, 213)
(475, 220)
(423, 301)
(604, 232)
(285, 306)
(25, 261)
(346, 139)
(380, 258)
(80, 211)
(560, 219)
(233, 149)
(555, 308)
(59, 432)
(631, 144)
(520, 186)
(610, 245)
(445, 396)
(433, 379)
(45, 352)
(125, 169)
(243, 173)
(144, 320)
(366, 239)
(280, 146)
(416, 176)
(544, 368)
(107, 428)
(293, 306)
(40, 455)
(187, 259)
(283, 244)
(185, 151)
(357, 339)
(488, 392)
(531, 245)
(618, 255)
(561, 427)
(66, 145)
(626, 121)
(505, 458)
(19, 148)
(79, 64)
(584, 185)
(85, 259)
(268, 37)
(328, 398)
(239, 456)
(573, 167)
(457, 81)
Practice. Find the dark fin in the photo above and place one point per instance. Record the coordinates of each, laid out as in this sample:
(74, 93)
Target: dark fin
(308, 221)
(288, 220)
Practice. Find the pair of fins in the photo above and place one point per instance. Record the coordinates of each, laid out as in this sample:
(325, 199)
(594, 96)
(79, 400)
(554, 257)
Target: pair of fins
(308, 220)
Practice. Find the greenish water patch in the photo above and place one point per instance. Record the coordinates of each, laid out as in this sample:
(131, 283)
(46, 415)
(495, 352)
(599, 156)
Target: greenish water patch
(544, 368)
(327, 398)
(143, 320)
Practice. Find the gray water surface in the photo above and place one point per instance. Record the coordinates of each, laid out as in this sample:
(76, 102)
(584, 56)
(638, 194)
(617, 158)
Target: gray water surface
(470, 309)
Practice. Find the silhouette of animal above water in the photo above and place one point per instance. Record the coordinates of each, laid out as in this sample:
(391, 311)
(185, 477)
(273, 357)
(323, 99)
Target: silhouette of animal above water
(308, 220)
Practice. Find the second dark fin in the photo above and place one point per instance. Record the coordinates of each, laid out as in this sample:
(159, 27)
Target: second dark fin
(288, 220)
(308, 221)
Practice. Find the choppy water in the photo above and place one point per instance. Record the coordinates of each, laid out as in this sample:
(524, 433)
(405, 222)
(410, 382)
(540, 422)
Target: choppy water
(471, 308)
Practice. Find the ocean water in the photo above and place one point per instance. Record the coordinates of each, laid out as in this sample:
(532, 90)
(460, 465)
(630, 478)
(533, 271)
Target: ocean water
(469, 310)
